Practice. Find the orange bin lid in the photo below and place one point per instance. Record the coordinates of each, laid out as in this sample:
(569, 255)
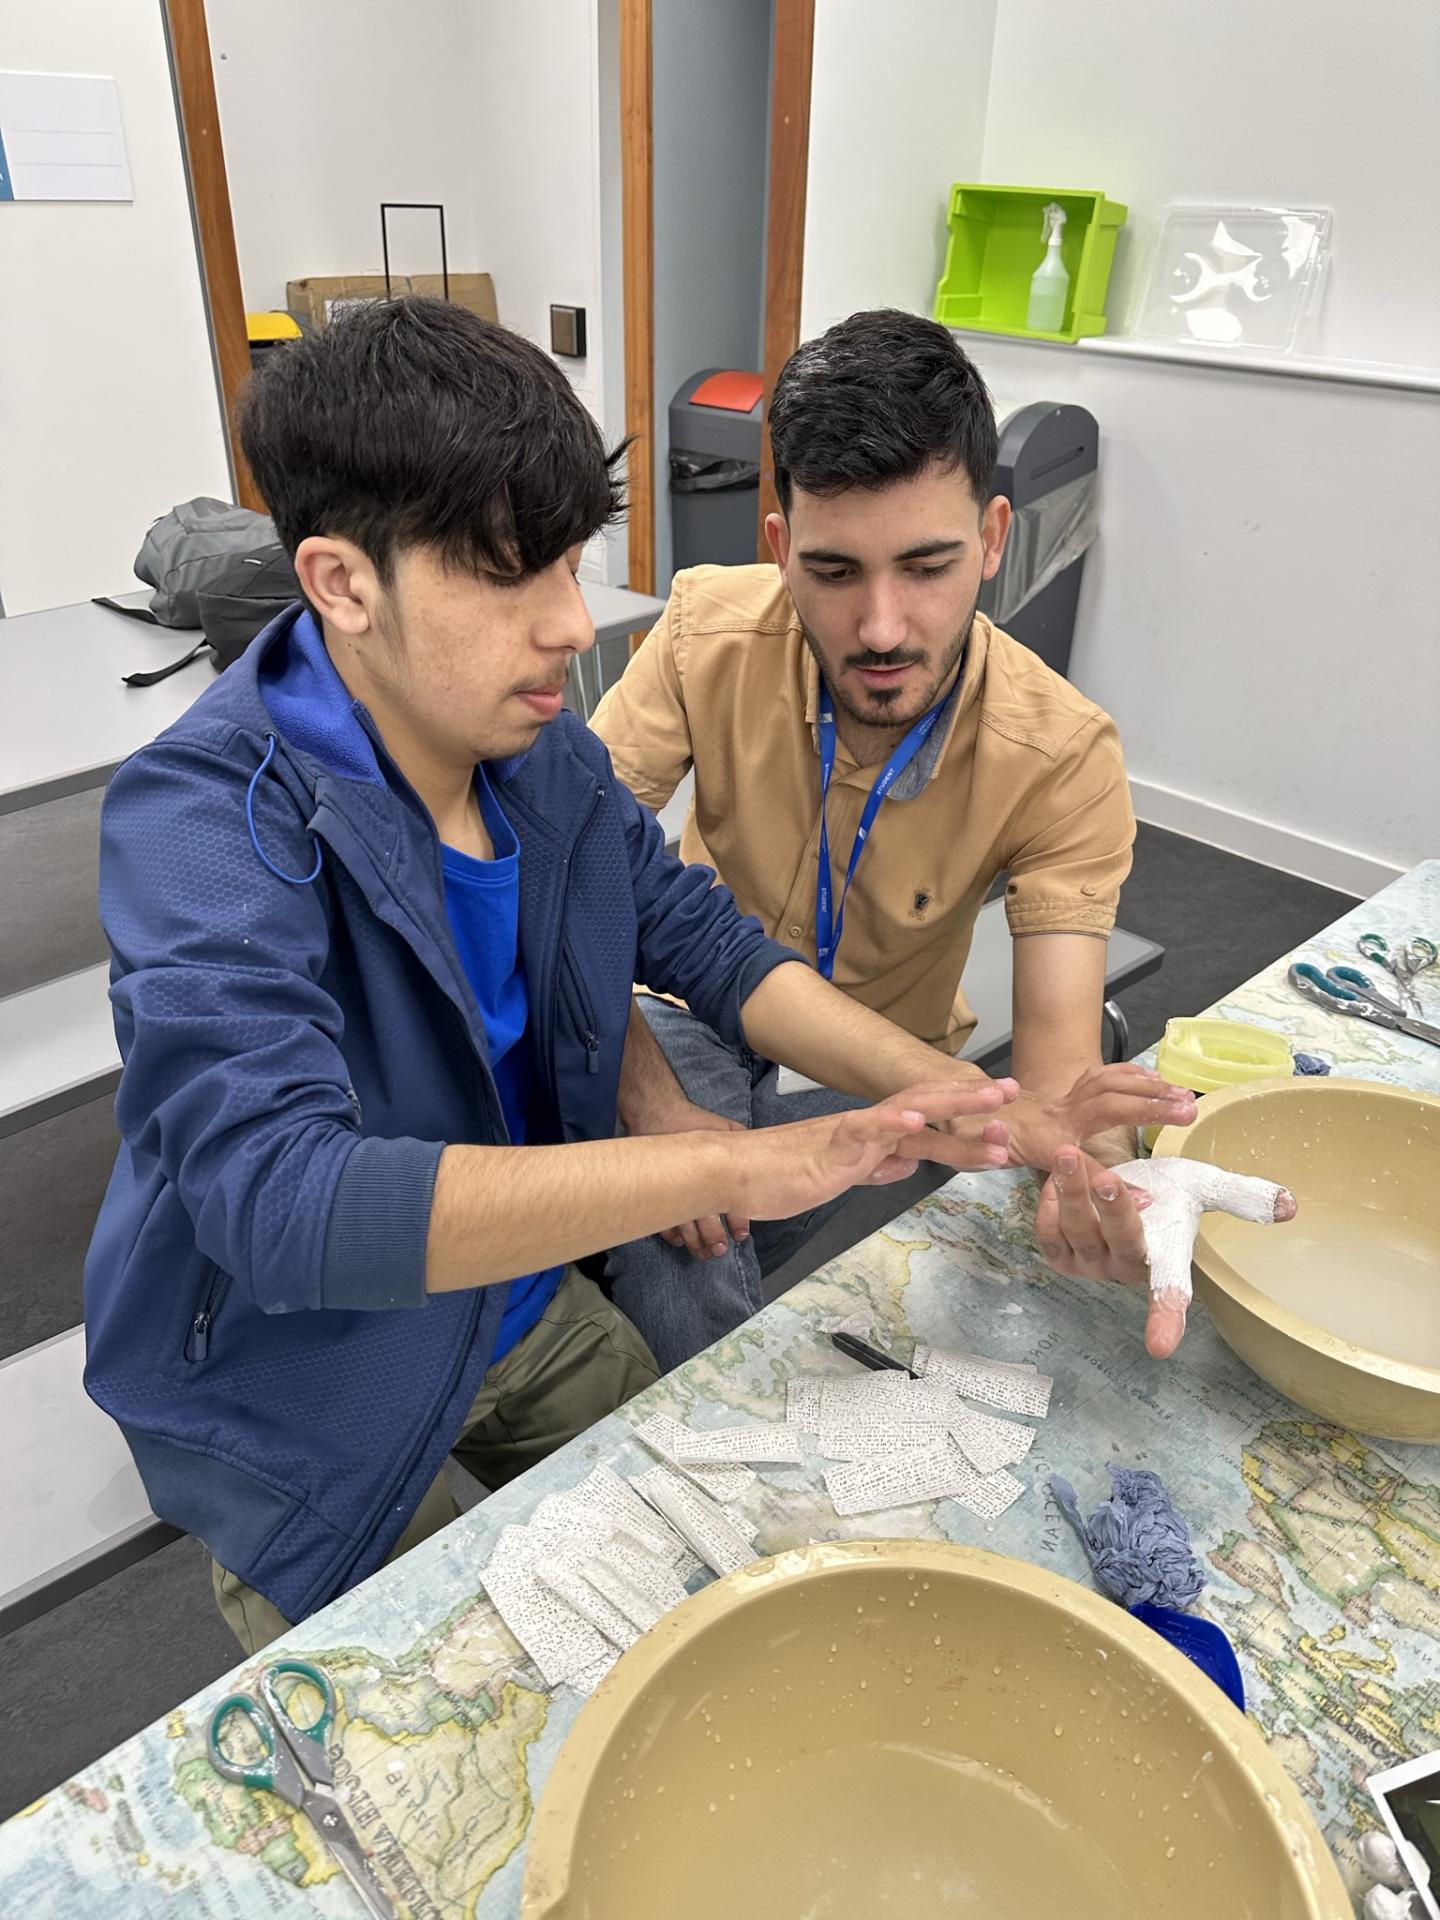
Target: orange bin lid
(735, 392)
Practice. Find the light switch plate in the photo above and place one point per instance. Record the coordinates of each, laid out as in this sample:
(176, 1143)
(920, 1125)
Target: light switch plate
(567, 332)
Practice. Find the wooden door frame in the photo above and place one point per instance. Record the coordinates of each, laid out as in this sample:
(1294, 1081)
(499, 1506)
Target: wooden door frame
(785, 236)
(188, 35)
(784, 256)
(637, 203)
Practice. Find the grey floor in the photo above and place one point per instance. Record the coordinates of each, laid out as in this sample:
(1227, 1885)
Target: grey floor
(97, 1669)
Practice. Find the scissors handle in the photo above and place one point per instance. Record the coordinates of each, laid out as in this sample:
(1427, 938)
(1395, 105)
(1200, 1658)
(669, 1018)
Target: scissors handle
(1323, 986)
(264, 1772)
(298, 1746)
(316, 1730)
(1350, 977)
(1417, 955)
(1362, 984)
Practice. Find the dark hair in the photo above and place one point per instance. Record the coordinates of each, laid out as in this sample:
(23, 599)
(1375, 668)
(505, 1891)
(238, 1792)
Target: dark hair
(416, 423)
(878, 398)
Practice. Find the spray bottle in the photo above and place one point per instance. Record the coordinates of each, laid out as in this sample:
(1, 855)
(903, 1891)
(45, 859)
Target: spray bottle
(1050, 284)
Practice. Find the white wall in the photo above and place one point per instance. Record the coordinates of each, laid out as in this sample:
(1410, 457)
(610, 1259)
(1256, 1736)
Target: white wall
(109, 412)
(546, 165)
(897, 112)
(1299, 101)
(507, 113)
(1258, 614)
(534, 117)
(711, 131)
(1258, 596)
(331, 106)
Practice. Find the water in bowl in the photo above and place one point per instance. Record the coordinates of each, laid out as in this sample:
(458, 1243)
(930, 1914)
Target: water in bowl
(1373, 1278)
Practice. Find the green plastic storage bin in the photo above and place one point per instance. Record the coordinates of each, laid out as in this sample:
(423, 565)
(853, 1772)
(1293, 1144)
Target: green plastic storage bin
(997, 240)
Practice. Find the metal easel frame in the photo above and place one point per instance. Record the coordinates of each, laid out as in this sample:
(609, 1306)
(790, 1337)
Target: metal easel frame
(387, 207)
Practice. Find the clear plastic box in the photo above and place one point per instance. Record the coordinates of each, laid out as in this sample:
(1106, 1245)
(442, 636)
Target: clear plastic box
(1229, 276)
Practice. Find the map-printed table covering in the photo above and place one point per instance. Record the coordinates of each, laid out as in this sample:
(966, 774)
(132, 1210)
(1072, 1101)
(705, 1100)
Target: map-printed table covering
(1322, 1548)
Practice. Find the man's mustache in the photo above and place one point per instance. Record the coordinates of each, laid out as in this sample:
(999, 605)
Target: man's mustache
(880, 661)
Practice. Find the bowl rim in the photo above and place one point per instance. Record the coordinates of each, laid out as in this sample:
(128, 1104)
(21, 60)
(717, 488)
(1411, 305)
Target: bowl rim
(554, 1828)
(1172, 1143)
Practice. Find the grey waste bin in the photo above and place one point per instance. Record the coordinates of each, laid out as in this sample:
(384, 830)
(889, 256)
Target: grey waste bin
(1049, 456)
(715, 469)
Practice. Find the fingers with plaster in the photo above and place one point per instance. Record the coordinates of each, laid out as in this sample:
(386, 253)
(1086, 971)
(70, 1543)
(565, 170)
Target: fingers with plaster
(1393, 1897)
(1182, 1191)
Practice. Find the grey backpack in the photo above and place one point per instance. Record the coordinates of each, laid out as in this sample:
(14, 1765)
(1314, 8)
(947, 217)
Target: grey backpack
(215, 566)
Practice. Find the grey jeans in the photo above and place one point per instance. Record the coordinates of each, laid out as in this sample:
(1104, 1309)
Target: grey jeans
(680, 1304)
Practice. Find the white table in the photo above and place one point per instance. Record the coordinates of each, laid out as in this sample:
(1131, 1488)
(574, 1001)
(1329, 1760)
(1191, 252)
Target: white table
(67, 720)
(67, 1527)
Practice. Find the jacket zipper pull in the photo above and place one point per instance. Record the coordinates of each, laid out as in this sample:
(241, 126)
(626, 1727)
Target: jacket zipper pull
(592, 1054)
(198, 1345)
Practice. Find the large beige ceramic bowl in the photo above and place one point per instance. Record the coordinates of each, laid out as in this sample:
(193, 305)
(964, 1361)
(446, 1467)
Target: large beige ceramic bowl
(897, 1727)
(1340, 1309)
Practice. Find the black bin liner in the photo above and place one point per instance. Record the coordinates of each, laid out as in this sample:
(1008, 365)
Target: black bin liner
(692, 472)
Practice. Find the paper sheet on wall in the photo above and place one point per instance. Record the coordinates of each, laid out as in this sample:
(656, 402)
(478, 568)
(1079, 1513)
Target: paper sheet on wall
(61, 138)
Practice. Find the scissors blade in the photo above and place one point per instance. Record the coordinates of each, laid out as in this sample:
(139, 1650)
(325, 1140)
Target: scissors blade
(325, 1814)
(1420, 1030)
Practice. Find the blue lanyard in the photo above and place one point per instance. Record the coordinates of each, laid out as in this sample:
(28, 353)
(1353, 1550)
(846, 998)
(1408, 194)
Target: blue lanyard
(830, 923)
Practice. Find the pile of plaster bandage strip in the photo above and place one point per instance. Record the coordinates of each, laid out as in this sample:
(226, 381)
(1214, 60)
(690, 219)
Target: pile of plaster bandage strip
(598, 1566)
(899, 1441)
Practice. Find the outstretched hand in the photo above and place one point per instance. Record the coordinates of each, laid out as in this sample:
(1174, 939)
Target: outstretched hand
(1097, 1227)
(790, 1169)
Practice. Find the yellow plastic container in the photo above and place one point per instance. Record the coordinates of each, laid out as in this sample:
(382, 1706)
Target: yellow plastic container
(1206, 1055)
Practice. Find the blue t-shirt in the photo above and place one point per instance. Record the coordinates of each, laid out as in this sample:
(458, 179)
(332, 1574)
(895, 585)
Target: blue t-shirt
(482, 899)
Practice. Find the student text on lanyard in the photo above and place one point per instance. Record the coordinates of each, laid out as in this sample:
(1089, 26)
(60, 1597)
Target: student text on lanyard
(830, 920)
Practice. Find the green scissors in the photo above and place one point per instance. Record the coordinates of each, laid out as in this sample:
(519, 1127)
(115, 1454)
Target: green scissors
(1417, 955)
(294, 1763)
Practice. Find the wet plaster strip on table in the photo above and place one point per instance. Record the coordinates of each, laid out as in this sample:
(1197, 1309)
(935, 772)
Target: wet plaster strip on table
(998, 1383)
(705, 1526)
(576, 1587)
(669, 1439)
(942, 1472)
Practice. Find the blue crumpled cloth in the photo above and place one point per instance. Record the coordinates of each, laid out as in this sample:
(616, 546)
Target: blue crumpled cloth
(1310, 1063)
(1138, 1546)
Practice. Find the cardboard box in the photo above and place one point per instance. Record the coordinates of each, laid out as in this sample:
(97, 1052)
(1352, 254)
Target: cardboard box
(319, 299)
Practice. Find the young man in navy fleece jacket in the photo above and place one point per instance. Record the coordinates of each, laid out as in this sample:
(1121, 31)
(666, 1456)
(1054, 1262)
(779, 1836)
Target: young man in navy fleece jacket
(376, 907)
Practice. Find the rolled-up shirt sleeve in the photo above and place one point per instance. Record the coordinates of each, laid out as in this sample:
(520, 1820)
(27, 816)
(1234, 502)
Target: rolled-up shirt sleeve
(1072, 841)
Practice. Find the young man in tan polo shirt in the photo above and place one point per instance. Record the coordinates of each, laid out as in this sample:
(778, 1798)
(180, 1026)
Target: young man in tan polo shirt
(855, 702)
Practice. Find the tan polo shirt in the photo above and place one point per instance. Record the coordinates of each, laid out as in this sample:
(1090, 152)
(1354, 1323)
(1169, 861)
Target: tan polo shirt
(1024, 776)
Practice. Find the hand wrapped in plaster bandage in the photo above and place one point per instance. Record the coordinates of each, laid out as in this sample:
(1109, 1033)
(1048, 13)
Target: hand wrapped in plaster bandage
(1181, 1191)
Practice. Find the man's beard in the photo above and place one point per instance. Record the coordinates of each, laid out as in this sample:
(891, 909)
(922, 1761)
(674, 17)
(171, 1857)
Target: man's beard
(883, 709)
